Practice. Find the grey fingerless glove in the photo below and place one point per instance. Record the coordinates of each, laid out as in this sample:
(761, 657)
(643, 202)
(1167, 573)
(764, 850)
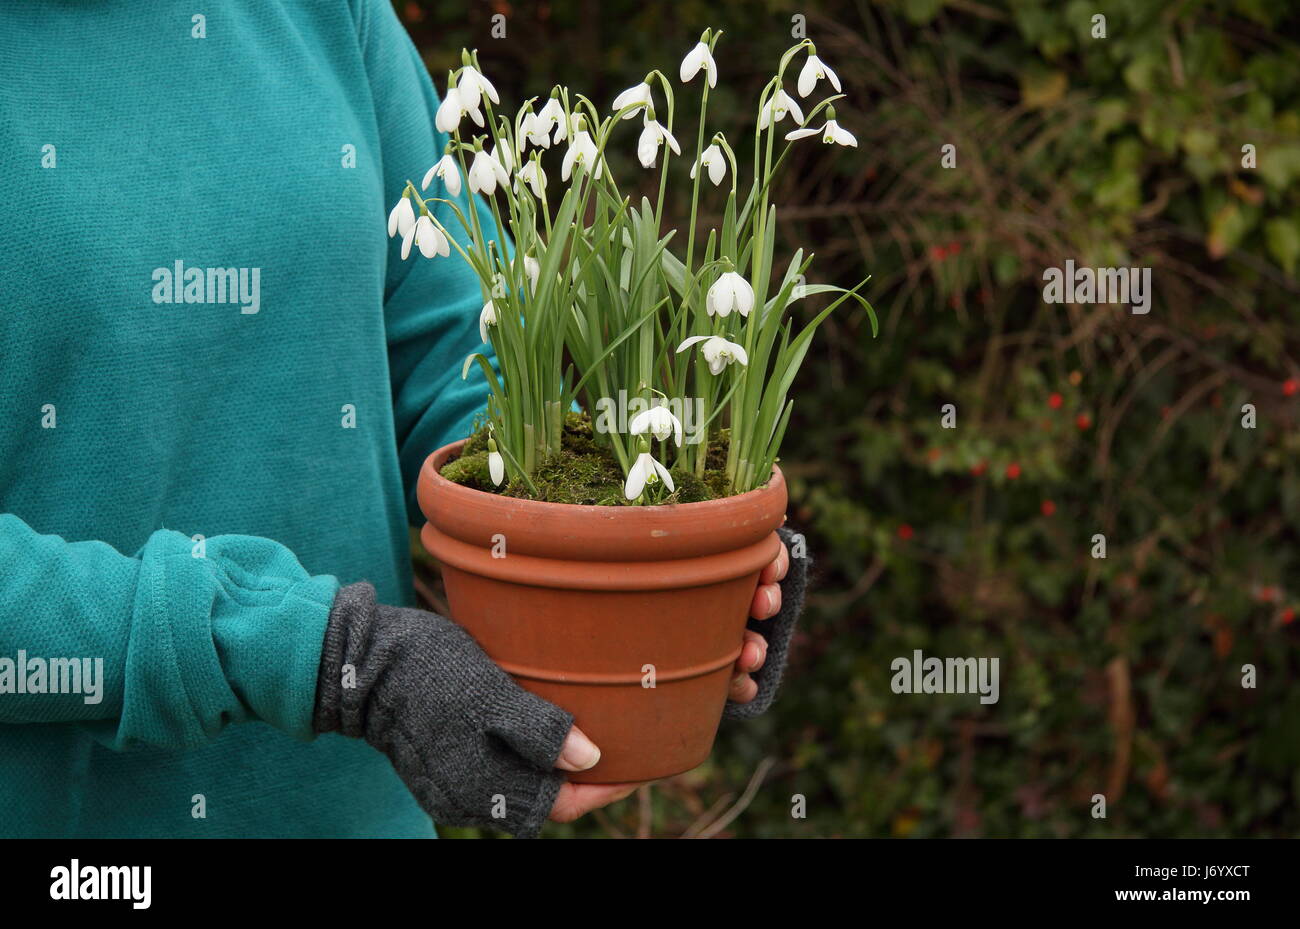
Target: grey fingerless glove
(465, 739)
(777, 631)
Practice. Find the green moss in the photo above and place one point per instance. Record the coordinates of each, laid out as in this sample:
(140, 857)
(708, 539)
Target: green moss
(584, 472)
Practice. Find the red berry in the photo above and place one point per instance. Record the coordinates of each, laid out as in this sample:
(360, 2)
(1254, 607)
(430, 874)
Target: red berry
(1083, 421)
(1013, 471)
(1048, 507)
(1288, 616)
(1054, 401)
(1290, 386)
(937, 253)
(905, 532)
(980, 468)
(954, 248)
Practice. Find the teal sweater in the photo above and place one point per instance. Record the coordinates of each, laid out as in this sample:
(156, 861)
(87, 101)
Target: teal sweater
(279, 410)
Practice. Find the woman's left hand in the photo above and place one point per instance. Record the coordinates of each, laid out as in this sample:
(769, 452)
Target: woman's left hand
(767, 603)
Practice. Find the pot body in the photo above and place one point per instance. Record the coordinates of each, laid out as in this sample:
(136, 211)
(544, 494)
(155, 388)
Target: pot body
(628, 617)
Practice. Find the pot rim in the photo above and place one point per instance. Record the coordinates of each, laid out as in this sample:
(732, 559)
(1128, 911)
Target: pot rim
(595, 533)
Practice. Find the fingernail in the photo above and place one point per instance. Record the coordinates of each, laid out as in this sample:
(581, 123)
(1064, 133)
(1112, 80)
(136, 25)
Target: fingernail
(771, 602)
(579, 753)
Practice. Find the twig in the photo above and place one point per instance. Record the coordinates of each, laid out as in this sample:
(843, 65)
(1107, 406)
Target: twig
(751, 789)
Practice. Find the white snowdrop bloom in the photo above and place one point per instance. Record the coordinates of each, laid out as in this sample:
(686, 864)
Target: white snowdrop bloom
(777, 107)
(496, 464)
(832, 132)
(452, 110)
(473, 86)
(488, 317)
(552, 117)
(716, 163)
(430, 238)
(659, 422)
(537, 131)
(652, 136)
(485, 173)
(697, 58)
(729, 292)
(814, 69)
(533, 175)
(532, 271)
(645, 471)
(581, 149)
(717, 351)
(505, 157)
(401, 217)
(640, 94)
(446, 170)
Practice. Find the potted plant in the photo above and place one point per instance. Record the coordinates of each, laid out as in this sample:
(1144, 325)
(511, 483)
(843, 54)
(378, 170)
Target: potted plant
(601, 534)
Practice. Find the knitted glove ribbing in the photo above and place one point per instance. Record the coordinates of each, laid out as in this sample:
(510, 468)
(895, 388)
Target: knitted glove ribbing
(777, 631)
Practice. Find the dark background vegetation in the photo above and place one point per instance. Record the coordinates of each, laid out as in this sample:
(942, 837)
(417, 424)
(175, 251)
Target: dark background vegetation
(1120, 676)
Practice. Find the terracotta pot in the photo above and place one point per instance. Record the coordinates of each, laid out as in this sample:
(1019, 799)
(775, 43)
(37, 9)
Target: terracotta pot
(587, 597)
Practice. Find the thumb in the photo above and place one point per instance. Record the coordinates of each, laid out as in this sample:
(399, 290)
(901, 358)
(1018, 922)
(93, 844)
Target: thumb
(579, 752)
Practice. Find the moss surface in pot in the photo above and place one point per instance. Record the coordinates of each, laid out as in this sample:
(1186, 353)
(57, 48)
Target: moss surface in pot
(584, 472)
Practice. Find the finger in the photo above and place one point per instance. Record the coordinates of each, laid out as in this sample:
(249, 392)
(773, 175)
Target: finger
(777, 569)
(743, 689)
(579, 752)
(576, 800)
(752, 653)
(767, 601)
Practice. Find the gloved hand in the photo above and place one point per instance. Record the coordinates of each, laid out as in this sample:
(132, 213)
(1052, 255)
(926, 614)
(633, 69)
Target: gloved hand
(473, 747)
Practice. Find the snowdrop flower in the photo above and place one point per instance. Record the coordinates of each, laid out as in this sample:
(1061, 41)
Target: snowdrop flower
(505, 157)
(832, 132)
(485, 173)
(537, 131)
(552, 117)
(776, 108)
(533, 175)
(496, 464)
(640, 94)
(430, 238)
(401, 218)
(447, 170)
(645, 471)
(452, 110)
(652, 136)
(712, 159)
(729, 292)
(473, 86)
(487, 318)
(814, 69)
(696, 58)
(532, 271)
(659, 422)
(581, 149)
(717, 351)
